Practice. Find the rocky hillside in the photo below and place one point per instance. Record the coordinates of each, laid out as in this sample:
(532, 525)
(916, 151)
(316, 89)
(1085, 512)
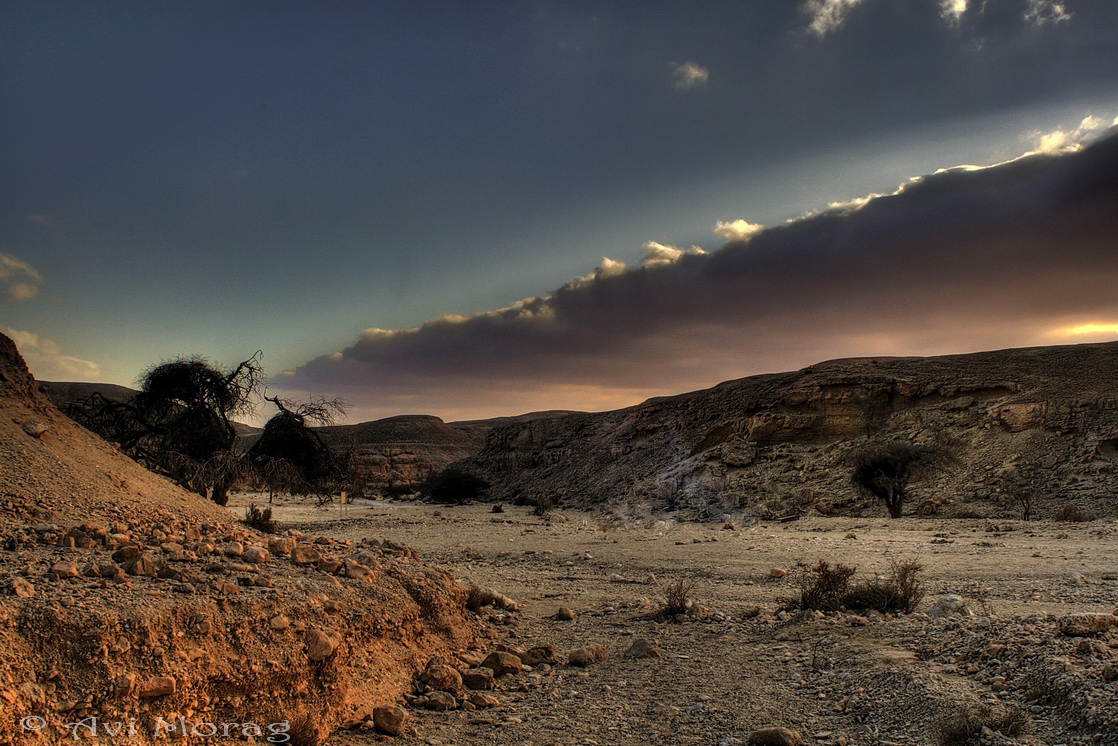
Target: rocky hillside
(130, 600)
(1039, 422)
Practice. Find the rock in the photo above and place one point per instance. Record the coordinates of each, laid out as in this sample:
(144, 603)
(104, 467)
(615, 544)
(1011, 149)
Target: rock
(479, 678)
(61, 570)
(778, 572)
(480, 596)
(564, 614)
(949, 605)
(321, 644)
(441, 701)
(22, 588)
(329, 565)
(482, 701)
(231, 548)
(540, 654)
(124, 684)
(126, 553)
(442, 678)
(1085, 624)
(642, 649)
(301, 554)
(142, 565)
(35, 428)
(502, 663)
(280, 545)
(358, 571)
(256, 555)
(588, 654)
(279, 622)
(390, 719)
(775, 737)
(157, 686)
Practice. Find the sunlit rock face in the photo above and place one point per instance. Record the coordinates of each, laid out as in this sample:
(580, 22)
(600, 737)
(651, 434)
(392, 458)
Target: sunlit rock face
(1045, 418)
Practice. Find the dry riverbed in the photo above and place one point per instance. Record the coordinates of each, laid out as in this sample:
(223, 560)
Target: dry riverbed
(742, 665)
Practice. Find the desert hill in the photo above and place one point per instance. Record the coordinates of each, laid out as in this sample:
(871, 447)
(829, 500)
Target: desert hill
(1045, 418)
(403, 450)
(128, 599)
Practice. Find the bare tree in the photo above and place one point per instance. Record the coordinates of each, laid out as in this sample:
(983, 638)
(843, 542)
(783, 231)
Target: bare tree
(180, 424)
(291, 456)
(885, 470)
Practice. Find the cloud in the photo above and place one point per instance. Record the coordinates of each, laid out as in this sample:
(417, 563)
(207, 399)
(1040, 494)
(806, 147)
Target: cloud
(19, 279)
(45, 359)
(689, 74)
(1089, 129)
(827, 15)
(1040, 12)
(737, 230)
(953, 10)
(963, 259)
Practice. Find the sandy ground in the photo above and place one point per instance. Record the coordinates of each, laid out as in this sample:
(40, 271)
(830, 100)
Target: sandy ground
(839, 679)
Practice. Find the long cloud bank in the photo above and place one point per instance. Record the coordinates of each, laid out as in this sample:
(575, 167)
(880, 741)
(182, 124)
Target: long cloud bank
(961, 260)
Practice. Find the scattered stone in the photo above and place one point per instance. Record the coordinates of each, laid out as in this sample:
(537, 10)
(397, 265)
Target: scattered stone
(126, 553)
(22, 588)
(564, 614)
(61, 570)
(142, 565)
(479, 678)
(442, 678)
(482, 701)
(540, 654)
(440, 701)
(321, 644)
(256, 555)
(642, 649)
(358, 571)
(775, 737)
(502, 663)
(157, 686)
(588, 654)
(949, 605)
(390, 719)
(1085, 624)
(301, 554)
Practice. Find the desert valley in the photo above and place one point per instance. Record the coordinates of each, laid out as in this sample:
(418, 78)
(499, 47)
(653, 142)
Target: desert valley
(544, 615)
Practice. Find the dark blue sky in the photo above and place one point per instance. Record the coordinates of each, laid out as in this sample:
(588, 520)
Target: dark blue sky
(218, 177)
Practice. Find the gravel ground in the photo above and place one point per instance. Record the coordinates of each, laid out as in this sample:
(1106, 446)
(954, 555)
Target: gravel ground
(741, 664)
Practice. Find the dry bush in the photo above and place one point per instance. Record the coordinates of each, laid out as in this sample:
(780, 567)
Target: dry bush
(963, 724)
(1074, 514)
(901, 591)
(822, 587)
(827, 587)
(261, 520)
(677, 597)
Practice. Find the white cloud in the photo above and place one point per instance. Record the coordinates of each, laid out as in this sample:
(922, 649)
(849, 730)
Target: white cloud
(1046, 11)
(827, 15)
(45, 359)
(657, 254)
(21, 281)
(689, 75)
(737, 230)
(953, 10)
(1059, 140)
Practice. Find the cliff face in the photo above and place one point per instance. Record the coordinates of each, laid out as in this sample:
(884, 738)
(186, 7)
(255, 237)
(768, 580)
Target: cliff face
(403, 450)
(1039, 420)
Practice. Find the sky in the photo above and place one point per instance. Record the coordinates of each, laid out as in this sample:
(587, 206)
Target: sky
(488, 208)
